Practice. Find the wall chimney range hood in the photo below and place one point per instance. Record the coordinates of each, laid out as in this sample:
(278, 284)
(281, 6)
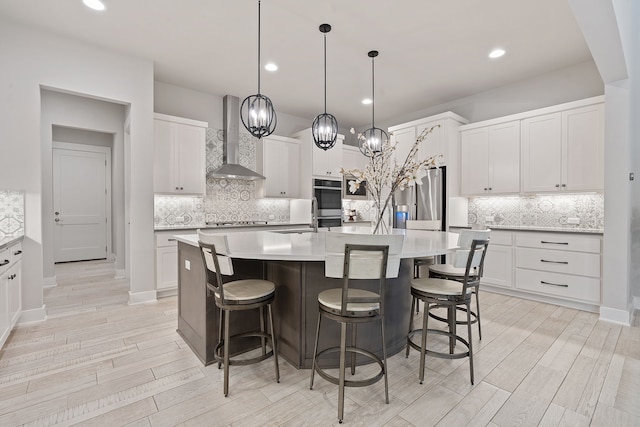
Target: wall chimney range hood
(231, 168)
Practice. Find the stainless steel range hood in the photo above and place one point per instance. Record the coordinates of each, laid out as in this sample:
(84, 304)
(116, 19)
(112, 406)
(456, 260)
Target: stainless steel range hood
(231, 168)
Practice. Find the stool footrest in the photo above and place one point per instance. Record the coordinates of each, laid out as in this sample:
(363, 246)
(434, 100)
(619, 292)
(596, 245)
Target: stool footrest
(351, 383)
(219, 350)
(458, 322)
(440, 354)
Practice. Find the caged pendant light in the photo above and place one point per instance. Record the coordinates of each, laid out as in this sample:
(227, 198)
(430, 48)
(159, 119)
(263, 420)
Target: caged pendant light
(325, 126)
(372, 139)
(256, 112)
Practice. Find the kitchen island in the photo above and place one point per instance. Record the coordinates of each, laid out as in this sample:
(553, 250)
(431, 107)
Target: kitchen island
(294, 261)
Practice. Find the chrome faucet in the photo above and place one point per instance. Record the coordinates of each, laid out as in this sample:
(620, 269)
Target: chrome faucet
(314, 214)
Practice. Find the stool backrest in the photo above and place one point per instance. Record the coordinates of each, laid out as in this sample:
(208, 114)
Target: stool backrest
(474, 262)
(362, 256)
(418, 224)
(215, 249)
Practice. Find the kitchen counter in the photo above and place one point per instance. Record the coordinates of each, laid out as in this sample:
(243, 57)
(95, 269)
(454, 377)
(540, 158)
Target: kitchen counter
(542, 229)
(295, 263)
(269, 225)
(9, 240)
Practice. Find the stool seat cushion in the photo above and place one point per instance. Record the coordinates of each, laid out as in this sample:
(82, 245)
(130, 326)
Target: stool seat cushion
(247, 290)
(440, 287)
(447, 269)
(332, 299)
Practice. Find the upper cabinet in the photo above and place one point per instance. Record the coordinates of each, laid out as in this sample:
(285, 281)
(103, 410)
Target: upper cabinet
(443, 141)
(179, 155)
(317, 163)
(352, 158)
(490, 159)
(280, 166)
(564, 151)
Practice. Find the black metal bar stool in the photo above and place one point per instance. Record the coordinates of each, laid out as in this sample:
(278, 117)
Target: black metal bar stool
(352, 258)
(426, 225)
(237, 295)
(449, 272)
(450, 294)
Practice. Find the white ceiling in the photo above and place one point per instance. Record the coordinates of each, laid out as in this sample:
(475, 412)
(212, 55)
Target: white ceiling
(431, 51)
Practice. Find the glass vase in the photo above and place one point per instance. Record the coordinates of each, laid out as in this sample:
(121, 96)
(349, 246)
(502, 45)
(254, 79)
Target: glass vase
(381, 221)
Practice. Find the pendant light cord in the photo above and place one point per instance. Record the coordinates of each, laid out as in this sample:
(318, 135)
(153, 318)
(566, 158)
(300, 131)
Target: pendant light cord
(373, 94)
(258, 47)
(325, 73)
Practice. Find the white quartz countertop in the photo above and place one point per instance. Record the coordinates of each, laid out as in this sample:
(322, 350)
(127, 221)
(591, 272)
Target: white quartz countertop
(293, 246)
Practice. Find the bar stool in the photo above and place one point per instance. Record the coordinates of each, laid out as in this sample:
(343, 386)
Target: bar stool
(427, 225)
(449, 272)
(238, 295)
(450, 294)
(352, 258)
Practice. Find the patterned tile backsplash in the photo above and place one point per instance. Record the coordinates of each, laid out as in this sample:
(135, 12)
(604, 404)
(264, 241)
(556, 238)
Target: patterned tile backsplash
(542, 211)
(225, 200)
(11, 213)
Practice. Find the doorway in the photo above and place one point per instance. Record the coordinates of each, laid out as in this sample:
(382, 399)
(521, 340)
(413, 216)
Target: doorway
(81, 202)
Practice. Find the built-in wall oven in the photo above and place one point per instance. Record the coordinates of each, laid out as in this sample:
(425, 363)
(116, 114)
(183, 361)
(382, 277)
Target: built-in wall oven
(328, 193)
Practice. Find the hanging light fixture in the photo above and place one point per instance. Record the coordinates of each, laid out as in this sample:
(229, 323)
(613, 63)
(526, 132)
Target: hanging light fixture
(325, 126)
(257, 112)
(372, 139)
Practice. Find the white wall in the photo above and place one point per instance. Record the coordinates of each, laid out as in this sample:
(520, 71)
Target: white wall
(78, 114)
(32, 60)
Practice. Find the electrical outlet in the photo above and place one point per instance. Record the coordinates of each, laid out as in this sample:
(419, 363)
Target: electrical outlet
(272, 216)
(187, 264)
(489, 218)
(574, 220)
(179, 219)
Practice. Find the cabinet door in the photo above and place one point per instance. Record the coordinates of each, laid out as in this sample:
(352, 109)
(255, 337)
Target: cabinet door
(498, 266)
(14, 291)
(583, 148)
(474, 161)
(4, 308)
(164, 167)
(320, 164)
(403, 140)
(542, 153)
(352, 158)
(434, 143)
(166, 267)
(281, 168)
(504, 158)
(191, 159)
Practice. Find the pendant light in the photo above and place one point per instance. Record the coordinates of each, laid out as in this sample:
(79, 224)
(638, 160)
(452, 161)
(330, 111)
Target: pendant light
(372, 139)
(325, 126)
(257, 112)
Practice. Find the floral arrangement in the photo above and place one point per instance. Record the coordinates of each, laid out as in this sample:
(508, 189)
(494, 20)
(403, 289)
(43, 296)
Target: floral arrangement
(383, 175)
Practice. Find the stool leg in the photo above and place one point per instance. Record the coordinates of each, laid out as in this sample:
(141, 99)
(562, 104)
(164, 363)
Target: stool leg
(451, 315)
(384, 361)
(354, 331)
(226, 353)
(262, 340)
(478, 314)
(343, 351)
(315, 352)
(423, 347)
(413, 303)
(220, 333)
(470, 341)
(273, 342)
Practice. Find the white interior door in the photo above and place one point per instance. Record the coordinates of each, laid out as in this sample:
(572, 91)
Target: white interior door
(80, 201)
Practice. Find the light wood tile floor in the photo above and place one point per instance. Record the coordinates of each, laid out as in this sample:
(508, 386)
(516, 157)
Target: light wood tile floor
(97, 361)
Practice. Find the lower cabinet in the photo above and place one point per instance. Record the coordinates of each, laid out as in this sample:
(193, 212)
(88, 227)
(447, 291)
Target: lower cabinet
(166, 262)
(498, 263)
(10, 289)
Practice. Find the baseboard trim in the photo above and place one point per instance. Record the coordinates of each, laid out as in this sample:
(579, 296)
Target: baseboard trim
(33, 315)
(142, 297)
(120, 274)
(614, 315)
(578, 305)
(49, 282)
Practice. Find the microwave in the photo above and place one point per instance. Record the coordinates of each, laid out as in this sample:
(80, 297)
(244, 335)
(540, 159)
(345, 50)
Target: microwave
(361, 192)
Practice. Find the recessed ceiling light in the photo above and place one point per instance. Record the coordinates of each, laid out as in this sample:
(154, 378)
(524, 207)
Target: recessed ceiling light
(94, 4)
(496, 53)
(271, 67)
(366, 101)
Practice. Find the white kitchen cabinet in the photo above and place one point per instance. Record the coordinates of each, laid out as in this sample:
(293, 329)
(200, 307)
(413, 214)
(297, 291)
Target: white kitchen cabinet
(498, 263)
(10, 289)
(352, 158)
(563, 151)
(490, 159)
(280, 166)
(166, 262)
(317, 163)
(179, 155)
(327, 163)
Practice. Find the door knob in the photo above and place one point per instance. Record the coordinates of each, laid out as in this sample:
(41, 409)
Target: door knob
(57, 220)
(57, 213)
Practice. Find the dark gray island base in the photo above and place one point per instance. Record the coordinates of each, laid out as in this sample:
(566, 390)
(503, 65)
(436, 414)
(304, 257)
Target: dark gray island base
(298, 284)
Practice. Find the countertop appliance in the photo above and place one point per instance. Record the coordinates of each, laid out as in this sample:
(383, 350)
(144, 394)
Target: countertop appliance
(328, 192)
(423, 202)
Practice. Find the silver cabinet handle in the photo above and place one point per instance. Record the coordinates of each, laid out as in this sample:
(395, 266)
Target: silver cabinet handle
(554, 284)
(555, 262)
(554, 243)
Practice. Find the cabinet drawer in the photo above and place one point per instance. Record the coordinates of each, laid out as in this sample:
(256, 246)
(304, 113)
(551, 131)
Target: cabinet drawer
(165, 239)
(583, 264)
(15, 252)
(561, 285)
(559, 242)
(500, 238)
(5, 259)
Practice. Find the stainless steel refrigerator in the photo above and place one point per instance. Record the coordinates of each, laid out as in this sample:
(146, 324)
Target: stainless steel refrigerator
(423, 202)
